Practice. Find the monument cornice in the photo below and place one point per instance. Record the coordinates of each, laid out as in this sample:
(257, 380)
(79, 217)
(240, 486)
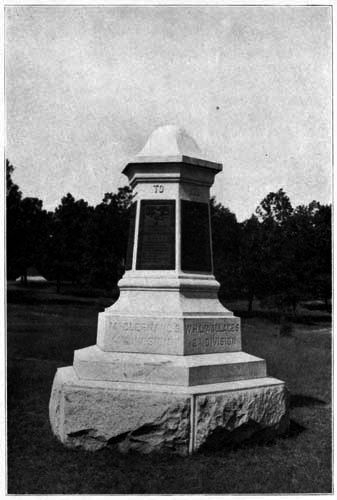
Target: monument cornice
(149, 179)
(181, 158)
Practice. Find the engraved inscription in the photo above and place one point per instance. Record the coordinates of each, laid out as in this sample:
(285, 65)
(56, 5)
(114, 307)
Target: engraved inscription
(213, 335)
(172, 335)
(214, 341)
(158, 188)
(156, 244)
(195, 237)
(220, 327)
(145, 333)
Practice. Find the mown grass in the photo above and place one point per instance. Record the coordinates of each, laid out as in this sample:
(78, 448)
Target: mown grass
(43, 335)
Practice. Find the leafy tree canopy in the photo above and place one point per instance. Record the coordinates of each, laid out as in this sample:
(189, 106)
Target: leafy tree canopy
(275, 207)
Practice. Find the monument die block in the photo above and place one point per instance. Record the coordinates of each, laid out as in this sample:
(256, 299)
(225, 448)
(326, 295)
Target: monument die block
(167, 335)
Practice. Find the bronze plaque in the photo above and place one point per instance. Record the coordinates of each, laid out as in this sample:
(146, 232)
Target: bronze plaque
(195, 237)
(156, 240)
(129, 253)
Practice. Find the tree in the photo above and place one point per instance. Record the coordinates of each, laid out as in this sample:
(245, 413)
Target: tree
(311, 230)
(68, 239)
(12, 190)
(275, 208)
(106, 238)
(225, 242)
(278, 280)
(295, 251)
(34, 233)
(323, 244)
(26, 229)
(251, 259)
(13, 226)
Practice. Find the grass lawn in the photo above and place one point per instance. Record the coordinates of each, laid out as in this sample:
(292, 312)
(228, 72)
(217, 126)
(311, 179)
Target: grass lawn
(44, 329)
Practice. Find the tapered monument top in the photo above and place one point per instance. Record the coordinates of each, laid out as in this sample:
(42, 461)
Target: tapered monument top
(170, 140)
(172, 144)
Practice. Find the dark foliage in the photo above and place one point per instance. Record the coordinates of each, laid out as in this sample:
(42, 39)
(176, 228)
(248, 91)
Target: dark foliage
(13, 200)
(106, 237)
(75, 243)
(27, 229)
(226, 245)
(295, 252)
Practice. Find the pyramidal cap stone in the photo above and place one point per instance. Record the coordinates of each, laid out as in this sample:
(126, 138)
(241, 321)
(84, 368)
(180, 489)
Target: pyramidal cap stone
(170, 140)
(167, 372)
(171, 143)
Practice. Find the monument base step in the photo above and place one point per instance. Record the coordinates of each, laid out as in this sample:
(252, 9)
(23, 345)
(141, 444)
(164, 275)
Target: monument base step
(164, 418)
(92, 363)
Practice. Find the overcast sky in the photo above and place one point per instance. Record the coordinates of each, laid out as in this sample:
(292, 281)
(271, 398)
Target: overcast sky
(85, 87)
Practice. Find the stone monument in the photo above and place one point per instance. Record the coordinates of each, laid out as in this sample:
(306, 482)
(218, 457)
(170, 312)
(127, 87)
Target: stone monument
(167, 372)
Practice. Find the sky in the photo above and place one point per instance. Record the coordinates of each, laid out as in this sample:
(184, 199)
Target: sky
(86, 85)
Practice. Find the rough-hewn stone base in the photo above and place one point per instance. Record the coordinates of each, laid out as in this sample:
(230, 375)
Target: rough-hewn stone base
(148, 417)
(231, 417)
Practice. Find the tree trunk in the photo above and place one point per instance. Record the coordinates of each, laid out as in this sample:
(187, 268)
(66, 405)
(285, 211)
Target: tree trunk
(294, 306)
(250, 302)
(58, 279)
(326, 302)
(286, 326)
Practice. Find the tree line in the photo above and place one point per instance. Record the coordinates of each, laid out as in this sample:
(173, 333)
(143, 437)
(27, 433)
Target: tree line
(76, 242)
(280, 255)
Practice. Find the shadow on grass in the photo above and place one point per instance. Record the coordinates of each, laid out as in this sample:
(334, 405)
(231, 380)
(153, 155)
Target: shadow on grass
(299, 401)
(294, 430)
(247, 436)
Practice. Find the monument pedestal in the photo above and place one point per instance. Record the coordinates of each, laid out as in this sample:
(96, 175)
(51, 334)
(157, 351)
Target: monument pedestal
(150, 417)
(168, 372)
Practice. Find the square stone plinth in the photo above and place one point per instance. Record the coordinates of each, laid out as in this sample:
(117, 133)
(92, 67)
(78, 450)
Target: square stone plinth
(169, 335)
(163, 418)
(92, 363)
